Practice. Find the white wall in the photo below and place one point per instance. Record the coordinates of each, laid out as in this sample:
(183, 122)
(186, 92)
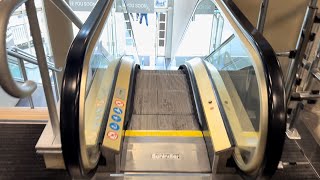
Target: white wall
(182, 11)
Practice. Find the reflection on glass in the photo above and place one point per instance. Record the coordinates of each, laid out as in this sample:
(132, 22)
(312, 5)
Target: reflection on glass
(204, 33)
(233, 71)
(98, 80)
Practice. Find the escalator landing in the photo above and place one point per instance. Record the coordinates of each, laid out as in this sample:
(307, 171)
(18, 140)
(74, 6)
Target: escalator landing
(165, 154)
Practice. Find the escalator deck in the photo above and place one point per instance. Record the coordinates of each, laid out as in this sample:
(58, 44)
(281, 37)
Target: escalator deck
(163, 134)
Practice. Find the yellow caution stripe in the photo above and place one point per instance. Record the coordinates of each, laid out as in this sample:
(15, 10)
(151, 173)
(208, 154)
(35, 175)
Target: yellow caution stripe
(164, 133)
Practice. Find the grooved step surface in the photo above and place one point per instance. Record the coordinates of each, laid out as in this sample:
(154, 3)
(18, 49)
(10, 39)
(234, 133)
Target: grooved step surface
(163, 122)
(162, 101)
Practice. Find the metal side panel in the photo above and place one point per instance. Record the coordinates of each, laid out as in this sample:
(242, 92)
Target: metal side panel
(216, 128)
(113, 134)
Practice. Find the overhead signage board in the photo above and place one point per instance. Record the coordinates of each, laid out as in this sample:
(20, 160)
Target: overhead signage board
(82, 5)
(139, 6)
(161, 3)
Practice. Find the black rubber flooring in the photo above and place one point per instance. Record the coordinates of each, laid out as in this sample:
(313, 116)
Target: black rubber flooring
(18, 157)
(19, 160)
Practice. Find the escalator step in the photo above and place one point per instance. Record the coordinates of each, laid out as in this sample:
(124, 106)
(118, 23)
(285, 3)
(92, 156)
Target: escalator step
(162, 102)
(163, 122)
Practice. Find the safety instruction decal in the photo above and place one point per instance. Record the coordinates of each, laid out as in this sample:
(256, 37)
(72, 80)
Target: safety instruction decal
(112, 135)
(117, 110)
(116, 118)
(119, 103)
(114, 126)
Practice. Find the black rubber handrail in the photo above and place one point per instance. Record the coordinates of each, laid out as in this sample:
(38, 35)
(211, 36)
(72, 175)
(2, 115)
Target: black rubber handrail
(70, 92)
(275, 90)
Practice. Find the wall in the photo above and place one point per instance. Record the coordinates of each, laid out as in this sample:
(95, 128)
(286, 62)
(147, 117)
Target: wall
(283, 22)
(182, 12)
(61, 35)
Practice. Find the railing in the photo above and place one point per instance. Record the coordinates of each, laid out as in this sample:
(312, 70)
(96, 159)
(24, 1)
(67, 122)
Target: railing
(19, 59)
(26, 89)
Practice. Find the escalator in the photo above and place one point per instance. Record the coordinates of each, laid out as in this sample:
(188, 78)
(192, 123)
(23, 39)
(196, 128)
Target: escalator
(217, 117)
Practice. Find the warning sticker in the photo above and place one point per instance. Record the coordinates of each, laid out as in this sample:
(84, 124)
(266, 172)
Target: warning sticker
(112, 135)
(119, 103)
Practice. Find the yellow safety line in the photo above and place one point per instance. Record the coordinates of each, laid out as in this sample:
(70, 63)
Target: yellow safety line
(166, 133)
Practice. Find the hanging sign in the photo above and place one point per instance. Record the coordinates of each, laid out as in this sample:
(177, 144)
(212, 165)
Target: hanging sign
(82, 5)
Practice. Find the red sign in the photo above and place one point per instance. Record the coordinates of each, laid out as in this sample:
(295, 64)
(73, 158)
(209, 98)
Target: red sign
(112, 135)
(119, 103)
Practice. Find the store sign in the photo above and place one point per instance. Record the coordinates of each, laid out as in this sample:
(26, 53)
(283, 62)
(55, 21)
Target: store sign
(160, 3)
(82, 5)
(140, 6)
(206, 7)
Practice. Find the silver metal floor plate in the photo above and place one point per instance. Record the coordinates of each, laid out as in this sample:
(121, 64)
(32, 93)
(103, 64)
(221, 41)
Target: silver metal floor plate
(165, 154)
(166, 176)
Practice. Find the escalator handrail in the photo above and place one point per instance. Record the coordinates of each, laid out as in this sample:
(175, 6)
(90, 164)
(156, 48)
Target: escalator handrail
(70, 90)
(275, 89)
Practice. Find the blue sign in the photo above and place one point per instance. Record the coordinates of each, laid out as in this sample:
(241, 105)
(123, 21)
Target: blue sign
(116, 118)
(114, 126)
(117, 110)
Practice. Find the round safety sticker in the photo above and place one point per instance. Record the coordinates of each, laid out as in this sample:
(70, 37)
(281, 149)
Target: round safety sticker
(114, 126)
(112, 135)
(116, 118)
(119, 103)
(117, 110)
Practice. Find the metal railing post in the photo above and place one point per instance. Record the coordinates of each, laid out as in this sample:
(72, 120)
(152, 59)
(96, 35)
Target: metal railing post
(43, 66)
(301, 47)
(6, 80)
(68, 12)
(262, 15)
(25, 78)
(55, 83)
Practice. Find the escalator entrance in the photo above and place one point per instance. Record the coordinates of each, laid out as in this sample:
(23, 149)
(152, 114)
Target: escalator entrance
(159, 127)
(219, 115)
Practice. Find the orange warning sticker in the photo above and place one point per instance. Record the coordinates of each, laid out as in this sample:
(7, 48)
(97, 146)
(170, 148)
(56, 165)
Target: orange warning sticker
(112, 135)
(119, 103)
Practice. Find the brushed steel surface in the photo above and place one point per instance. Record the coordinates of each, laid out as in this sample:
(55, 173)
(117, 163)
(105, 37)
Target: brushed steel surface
(156, 176)
(165, 154)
